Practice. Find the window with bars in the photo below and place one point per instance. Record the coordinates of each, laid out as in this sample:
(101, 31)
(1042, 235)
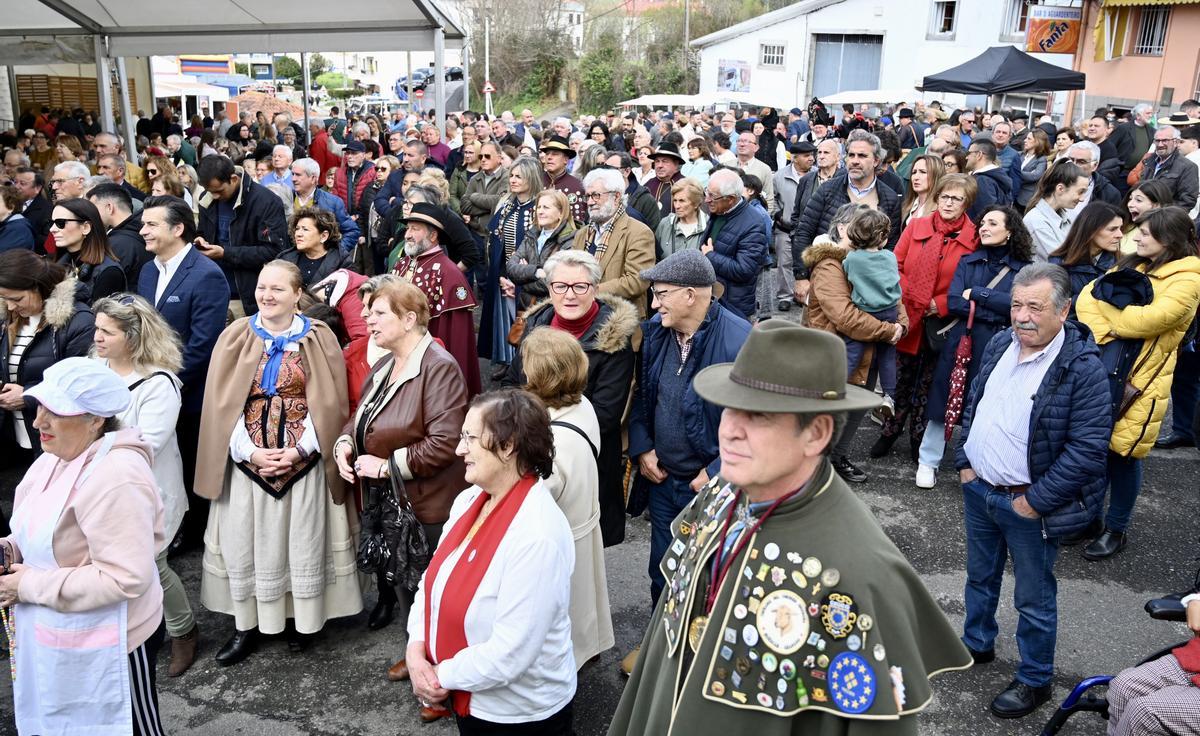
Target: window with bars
(944, 20)
(1151, 36)
(771, 54)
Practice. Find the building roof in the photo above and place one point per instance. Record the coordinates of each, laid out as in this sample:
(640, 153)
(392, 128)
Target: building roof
(140, 28)
(795, 10)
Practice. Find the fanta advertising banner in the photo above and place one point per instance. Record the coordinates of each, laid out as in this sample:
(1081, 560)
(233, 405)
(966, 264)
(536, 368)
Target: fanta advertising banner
(1053, 30)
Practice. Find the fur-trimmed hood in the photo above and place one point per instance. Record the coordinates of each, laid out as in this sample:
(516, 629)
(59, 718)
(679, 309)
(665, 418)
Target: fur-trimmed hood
(822, 247)
(616, 332)
(59, 307)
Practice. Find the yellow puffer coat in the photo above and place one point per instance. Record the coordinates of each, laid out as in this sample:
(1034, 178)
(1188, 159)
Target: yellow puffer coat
(1162, 325)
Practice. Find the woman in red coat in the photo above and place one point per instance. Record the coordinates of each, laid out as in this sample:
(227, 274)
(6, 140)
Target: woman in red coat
(927, 254)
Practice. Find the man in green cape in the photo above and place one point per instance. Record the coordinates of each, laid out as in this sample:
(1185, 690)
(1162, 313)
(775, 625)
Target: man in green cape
(787, 610)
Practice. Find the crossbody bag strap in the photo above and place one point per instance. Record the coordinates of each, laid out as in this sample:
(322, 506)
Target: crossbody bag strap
(990, 285)
(581, 433)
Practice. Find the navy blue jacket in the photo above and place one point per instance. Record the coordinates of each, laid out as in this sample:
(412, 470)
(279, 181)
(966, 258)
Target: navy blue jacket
(992, 309)
(257, 235)
(995, 187)
(16, 232)
(194, 304)
(718, 340)
(738, 254)
(1082, 274)
(1068, 432)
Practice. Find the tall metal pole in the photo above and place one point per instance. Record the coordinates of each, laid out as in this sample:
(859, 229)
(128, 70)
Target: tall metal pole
(687, 18)
(307, 86)
(411, 101)
(439, 77)
(487, 65)
(127, 126)
(466, 80)
(108, 121)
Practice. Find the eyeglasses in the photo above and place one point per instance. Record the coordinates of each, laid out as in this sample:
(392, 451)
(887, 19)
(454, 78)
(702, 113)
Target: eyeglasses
(714, 197)
(596, 196)
(561, 287)
(61, 222)
(1163, 140)
(951, 199)
(467, 438)
(661, 294)
(1082, 161)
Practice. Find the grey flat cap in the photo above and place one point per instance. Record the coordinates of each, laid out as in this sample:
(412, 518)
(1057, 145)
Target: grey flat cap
(687, 267)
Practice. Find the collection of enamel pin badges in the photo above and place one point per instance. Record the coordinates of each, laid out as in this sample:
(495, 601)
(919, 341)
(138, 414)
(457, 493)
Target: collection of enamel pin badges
(777, 649)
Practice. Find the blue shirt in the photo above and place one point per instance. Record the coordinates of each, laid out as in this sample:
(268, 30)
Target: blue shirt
(998, 445)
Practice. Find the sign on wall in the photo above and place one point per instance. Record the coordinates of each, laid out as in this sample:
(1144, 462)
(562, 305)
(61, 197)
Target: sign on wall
(1053, 30)
(733, 75)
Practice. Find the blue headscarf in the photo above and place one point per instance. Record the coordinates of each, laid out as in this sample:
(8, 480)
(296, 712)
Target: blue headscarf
(276, 349)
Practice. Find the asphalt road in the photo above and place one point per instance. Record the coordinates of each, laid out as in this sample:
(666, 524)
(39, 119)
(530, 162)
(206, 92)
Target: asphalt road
(338, 685)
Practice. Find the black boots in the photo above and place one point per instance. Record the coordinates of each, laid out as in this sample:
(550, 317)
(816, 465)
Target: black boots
(1104, 546)
(381, 614)
(241, 645)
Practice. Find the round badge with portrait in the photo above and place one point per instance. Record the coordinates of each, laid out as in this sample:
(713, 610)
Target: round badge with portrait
(783, 621)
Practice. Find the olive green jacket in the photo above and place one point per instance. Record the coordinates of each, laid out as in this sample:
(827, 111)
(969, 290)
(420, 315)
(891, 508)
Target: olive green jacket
(821, 627)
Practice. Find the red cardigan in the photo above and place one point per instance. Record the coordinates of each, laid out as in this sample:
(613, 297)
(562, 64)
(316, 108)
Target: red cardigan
(918, 235)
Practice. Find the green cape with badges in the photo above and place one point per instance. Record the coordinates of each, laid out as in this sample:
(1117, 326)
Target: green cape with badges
(821, 627)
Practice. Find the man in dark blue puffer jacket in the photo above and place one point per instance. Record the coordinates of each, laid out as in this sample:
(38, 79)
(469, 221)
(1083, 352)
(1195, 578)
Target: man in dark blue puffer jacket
(1031, 459)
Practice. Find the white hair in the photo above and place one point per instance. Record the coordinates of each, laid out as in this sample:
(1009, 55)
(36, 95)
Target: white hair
(580, 258)
(175, 138)
(74, 169)
(577, 136)
(1140, 108)
(360, 127)
(22, 159)
(610, 178)
(1092, 149)
(1171, 130)
(282, 149)
(727, 182)
(308, 166)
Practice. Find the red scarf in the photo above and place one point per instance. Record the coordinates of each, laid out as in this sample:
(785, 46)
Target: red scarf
(1189, 659)
(468, 572)
(923, 276)
(576, 327)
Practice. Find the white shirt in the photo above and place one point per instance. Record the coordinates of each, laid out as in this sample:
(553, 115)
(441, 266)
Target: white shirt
(166, 271)
(998, 445)
(1194, 157)
(518, 664)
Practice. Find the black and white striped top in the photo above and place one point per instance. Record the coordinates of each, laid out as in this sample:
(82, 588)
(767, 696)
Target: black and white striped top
(16, 352)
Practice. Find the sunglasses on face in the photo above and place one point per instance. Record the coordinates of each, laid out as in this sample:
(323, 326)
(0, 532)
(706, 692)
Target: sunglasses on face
(61, 222)
(152, 172)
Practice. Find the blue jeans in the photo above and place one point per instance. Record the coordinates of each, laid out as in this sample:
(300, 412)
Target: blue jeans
(667, 500)
(994, 532)
(1185, 392)
(885, 354)
(1124, 483)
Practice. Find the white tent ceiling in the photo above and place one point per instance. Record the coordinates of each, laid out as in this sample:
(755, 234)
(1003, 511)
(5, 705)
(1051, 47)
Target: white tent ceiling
(141, 28)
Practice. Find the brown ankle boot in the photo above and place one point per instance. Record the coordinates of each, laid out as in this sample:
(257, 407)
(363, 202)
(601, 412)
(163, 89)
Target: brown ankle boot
(183, 652)
(398, 671)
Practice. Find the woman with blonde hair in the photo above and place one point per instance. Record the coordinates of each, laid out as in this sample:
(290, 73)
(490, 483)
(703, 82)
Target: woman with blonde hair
(554, 231)
(926, 172)
(436, 180)
(556, 371)
(135, 342)
(682, 228)
(512, 219)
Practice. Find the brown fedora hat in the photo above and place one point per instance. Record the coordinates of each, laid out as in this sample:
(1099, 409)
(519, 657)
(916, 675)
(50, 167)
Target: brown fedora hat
(784, 368)
(430, 214)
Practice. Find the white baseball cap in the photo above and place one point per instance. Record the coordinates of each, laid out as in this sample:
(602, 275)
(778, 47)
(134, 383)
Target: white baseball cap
(76, 386)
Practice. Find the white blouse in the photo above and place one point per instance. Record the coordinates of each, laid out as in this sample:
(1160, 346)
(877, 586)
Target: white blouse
(518, 664)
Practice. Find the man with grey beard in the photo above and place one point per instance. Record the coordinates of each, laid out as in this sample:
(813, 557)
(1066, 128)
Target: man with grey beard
(623, 246)
(451, 300)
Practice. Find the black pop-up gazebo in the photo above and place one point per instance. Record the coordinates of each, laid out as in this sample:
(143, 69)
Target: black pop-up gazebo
(1003, 69)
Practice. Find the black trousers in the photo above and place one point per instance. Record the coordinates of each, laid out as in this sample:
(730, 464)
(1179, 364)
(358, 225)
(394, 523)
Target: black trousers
(558, 724)
(187, 432)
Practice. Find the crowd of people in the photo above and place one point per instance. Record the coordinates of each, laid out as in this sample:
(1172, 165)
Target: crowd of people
(269, 337)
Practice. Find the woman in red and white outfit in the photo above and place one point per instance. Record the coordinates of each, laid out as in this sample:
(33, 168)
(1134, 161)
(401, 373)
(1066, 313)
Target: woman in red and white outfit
(490, 634)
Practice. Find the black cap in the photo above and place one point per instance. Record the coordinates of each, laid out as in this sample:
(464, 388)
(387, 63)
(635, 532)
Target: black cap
(905, 113)
(802, 147)
(1019, 115)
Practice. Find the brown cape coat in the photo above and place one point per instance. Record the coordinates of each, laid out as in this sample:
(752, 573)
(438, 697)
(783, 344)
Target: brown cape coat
(231, 371)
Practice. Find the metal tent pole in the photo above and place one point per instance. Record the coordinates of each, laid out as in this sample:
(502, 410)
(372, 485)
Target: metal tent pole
(439, 77)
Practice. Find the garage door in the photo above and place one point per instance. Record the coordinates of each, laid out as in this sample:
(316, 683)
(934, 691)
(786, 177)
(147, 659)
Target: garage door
(845, 62)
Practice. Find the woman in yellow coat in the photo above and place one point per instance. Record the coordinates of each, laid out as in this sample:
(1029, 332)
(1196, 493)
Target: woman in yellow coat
(1166, 253)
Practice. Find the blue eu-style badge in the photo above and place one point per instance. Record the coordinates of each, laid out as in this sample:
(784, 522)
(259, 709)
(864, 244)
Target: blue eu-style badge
(851, 683)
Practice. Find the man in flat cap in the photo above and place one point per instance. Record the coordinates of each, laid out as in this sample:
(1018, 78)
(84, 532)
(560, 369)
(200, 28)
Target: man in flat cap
(787, 610)
(787, 180)
(672, 431)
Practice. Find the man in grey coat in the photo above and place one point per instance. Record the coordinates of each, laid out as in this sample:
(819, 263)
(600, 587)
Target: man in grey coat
(787, 181)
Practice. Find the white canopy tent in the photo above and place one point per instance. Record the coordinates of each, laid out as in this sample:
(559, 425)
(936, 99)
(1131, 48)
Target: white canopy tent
(121, 28)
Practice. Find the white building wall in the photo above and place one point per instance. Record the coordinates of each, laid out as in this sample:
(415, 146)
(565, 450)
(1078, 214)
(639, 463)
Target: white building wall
(907, 54)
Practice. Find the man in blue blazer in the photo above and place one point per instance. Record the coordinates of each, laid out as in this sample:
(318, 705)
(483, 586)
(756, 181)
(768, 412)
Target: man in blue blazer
(192, 294)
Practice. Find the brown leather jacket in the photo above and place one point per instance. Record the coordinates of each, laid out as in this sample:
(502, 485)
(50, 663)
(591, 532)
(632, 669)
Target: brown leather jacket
(417, 422)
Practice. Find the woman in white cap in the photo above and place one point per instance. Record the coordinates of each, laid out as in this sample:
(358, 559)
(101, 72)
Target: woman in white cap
(80, 561)
(137, 344)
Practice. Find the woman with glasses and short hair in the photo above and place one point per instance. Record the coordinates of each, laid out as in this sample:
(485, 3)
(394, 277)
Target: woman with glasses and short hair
(604, 325)
(928, 255)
